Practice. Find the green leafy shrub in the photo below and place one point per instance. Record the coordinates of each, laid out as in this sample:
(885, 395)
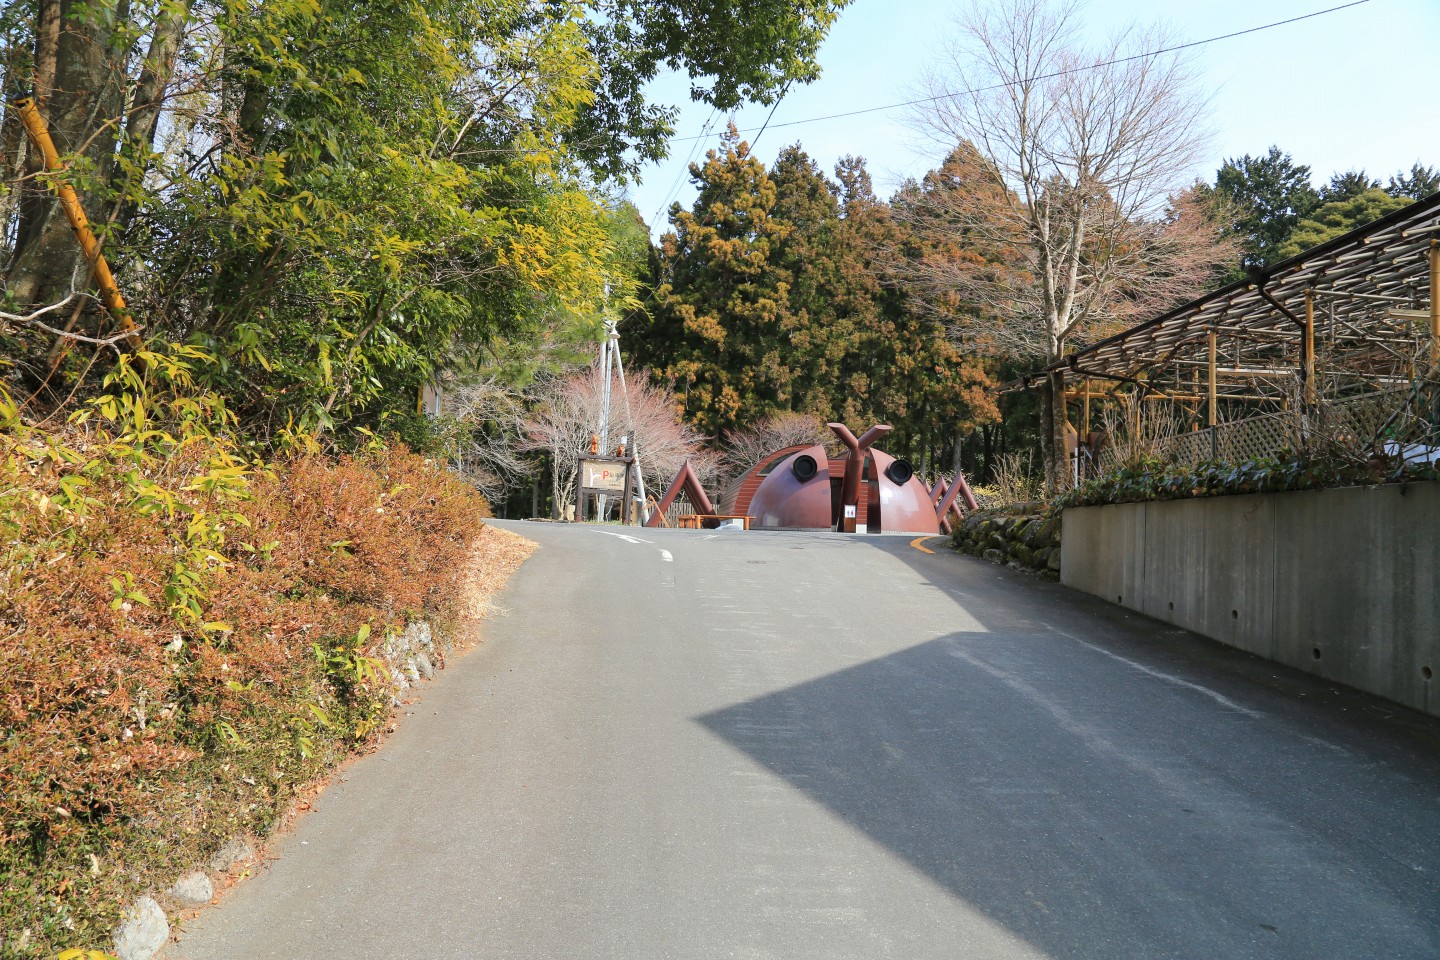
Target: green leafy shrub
(188, 635)
(1158, 480)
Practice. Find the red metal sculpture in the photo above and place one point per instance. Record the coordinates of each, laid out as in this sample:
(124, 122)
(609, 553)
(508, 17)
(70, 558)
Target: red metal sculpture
(810, 491)
(688, 483)
(803, 488)
(854, 467)
(796, 494)
(904, 502)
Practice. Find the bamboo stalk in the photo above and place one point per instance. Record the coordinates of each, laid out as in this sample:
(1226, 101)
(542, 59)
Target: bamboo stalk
(1308, 359)
(70, 203)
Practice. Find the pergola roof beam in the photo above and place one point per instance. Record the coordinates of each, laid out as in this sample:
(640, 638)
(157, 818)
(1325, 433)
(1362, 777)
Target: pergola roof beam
(1351, 279)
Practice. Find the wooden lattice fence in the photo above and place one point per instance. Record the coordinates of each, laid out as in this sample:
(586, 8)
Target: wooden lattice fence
(1396, 423)
(1377, 423)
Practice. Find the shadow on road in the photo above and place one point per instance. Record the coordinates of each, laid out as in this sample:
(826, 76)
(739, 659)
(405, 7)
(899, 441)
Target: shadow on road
(1099, 812)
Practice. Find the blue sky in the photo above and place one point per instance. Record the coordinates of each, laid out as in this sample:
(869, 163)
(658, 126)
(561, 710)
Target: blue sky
(1351, 89)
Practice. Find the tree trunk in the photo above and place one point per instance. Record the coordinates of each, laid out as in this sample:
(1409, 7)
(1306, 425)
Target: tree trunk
(555, 513)
(1047, 430)
(924, 444)
(12, 157)
(149, 101)
(1057, 462)
(34, 200)
(12, 139)
(159, 66)
(47, 50)
(987, 441)
(82, 112)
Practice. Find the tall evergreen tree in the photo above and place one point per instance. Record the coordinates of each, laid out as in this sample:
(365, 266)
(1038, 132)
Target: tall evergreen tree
(772, 298)
(1263, 200)
(817, 326)
(1419, 183)
(1347, 185)
(927, 384)
(1338, 217)
(721, 306)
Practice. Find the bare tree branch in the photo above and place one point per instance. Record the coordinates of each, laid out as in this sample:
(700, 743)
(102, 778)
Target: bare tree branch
(568, 411)
(32, 319)
(1065, 186)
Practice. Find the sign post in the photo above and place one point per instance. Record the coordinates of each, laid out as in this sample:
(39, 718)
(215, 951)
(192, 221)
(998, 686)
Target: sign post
(603, 476)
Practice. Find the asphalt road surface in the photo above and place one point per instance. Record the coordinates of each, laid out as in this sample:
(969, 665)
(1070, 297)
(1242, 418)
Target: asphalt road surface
(681, 744)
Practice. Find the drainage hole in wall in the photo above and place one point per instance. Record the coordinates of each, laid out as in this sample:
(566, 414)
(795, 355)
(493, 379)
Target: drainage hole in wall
(1172, 607)
(1426, 672)
(1118, 599)
(1315, 653)
(1234, 614)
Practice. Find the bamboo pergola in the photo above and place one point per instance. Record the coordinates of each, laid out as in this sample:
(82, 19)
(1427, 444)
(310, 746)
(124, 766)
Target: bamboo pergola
(1359, 314)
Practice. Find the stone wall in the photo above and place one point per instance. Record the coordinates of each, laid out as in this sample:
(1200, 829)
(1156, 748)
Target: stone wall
(1022, 538)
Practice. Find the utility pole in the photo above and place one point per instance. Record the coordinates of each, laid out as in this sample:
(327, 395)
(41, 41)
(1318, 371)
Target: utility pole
(610, 345)
(611, 365)
(609, 352)
(634, 439)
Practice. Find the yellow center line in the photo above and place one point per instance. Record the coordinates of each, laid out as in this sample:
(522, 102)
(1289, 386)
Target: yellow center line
(918, 544)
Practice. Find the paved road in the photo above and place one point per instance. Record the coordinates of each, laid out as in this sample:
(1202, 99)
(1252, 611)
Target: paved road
(804, 746)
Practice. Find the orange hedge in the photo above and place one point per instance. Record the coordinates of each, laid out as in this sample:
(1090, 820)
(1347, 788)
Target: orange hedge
(186, 638)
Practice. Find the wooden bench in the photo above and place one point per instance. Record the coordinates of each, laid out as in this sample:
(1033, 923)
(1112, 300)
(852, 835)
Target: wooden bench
(696, 521)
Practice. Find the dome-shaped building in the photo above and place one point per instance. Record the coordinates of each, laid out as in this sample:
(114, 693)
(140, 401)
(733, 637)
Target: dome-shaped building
(804, 488)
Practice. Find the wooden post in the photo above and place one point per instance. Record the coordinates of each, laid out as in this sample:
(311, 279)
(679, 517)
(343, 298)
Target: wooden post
(1085, 408)
(1434, 303)
(1212, 414)
(1308, 359)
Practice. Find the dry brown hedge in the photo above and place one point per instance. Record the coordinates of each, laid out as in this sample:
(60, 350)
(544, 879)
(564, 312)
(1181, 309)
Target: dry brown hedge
(186, 639)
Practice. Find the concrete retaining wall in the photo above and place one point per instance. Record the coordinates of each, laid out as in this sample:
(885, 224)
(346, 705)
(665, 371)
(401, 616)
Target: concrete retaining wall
(1343, 583)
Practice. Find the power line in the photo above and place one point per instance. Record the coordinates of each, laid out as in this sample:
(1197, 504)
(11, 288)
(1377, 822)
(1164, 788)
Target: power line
(998, 86)
(1048, 76)
(675, 187)
(773, 107)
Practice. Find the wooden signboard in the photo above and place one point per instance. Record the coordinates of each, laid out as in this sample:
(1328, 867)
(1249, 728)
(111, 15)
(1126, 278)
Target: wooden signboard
(597, 480)
(603, 476)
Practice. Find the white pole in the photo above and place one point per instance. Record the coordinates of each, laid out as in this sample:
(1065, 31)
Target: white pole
(605, 355)
(607, 346)
(634, 437)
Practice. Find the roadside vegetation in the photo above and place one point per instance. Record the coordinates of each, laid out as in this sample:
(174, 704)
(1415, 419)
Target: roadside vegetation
(192, 634)
(1155, 479)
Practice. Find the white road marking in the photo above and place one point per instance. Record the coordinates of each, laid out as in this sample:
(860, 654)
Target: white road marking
(622, 536)
(665, 555)
(1219, 698)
